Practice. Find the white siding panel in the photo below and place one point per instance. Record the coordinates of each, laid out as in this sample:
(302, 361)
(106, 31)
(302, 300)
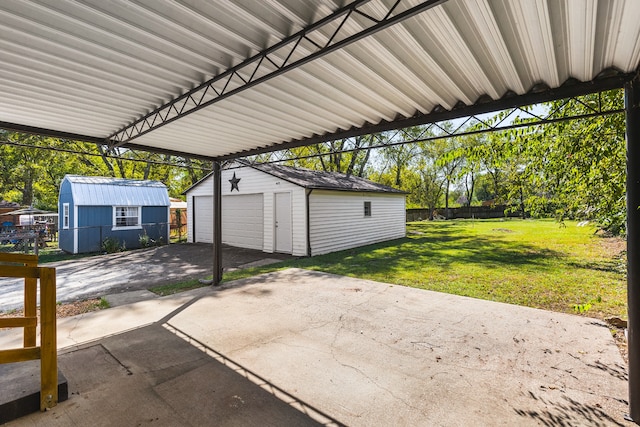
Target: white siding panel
(190, 219)
(299, 221)
(337, 220)
(269, 221)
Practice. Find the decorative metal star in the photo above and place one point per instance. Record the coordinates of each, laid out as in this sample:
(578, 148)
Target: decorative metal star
(234, 182)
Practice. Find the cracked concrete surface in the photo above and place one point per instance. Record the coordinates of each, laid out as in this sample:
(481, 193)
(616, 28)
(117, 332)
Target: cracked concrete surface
(363, 353)
(371, 353)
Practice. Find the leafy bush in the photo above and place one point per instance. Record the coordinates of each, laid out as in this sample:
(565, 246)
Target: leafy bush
(111, 245)
(147, 242)
(144, 240)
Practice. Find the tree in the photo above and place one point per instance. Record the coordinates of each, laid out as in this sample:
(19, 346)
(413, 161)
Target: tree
(26, 174)
(450, 161)
(349, 156)
(569, 169)
(578, 166)
(469, 168)
(399, 157)
(32, 167)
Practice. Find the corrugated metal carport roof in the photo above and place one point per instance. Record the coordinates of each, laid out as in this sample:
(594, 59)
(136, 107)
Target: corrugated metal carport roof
(92, 68)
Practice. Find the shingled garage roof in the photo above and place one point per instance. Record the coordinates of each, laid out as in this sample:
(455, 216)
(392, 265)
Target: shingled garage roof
(321, 180)
(313, 179)
(212, 80)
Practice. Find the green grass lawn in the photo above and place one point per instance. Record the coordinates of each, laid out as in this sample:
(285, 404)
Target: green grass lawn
(536, 263)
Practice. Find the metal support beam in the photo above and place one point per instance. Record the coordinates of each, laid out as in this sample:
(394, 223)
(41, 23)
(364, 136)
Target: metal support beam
(632, 106)
(575, 108)
(16, 127)
(570, 89)
(327, 35)
(217, 223)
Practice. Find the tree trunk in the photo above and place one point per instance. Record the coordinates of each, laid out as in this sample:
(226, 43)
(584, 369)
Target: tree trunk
(190, 169)
(354, 157)
(106, 161)
(147, 171)
(27, 193)
(363, 165)
(446, 200)
(398, 173)
(121, 168)
(469, 190)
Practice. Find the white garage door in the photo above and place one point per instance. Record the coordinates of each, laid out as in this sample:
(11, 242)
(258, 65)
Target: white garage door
(203, 219)
(242, 220)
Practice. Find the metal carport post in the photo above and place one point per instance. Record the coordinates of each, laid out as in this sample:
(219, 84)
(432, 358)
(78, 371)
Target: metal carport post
(217, 223)
(632, 108)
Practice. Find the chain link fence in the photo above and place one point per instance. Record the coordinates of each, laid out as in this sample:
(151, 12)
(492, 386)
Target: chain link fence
(28, 240)
(37, 238)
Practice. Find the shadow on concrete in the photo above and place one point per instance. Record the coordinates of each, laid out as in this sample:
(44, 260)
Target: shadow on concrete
(158, 374)
(617, 371)
(277, 392)
(567, 412)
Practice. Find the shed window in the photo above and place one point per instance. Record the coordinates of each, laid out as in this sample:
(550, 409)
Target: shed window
(126, 217)
(65, 216)
(367, 208)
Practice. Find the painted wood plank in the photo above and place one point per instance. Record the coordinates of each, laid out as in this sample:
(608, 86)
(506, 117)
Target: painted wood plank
(19, 355)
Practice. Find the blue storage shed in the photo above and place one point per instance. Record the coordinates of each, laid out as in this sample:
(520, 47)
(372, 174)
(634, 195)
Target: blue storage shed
(92, 209)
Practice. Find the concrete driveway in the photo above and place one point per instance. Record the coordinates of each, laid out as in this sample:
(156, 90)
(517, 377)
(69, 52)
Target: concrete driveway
(100, 275)
(336, 351)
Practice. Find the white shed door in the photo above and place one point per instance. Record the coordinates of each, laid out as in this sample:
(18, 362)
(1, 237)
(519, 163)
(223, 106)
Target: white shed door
(203, 219)
(243, 221)
(283, 223)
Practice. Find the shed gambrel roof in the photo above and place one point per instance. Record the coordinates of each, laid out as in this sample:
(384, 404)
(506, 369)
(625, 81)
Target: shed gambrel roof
(105, 191)
(312, 179)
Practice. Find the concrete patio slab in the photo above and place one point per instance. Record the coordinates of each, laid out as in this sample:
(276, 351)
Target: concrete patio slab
(126, 298)
(348, 351)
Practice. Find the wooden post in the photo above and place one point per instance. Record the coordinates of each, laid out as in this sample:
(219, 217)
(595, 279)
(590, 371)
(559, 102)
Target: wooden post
(30, 294)
(30, 303)
(48, 344)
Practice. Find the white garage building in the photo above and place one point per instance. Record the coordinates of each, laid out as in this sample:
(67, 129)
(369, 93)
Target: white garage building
(276, 208)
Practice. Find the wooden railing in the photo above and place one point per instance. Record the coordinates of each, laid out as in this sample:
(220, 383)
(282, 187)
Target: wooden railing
(26, 266)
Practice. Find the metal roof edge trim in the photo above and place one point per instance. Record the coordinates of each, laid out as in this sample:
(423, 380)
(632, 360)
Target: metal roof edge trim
(397, 192)
(16, 127)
